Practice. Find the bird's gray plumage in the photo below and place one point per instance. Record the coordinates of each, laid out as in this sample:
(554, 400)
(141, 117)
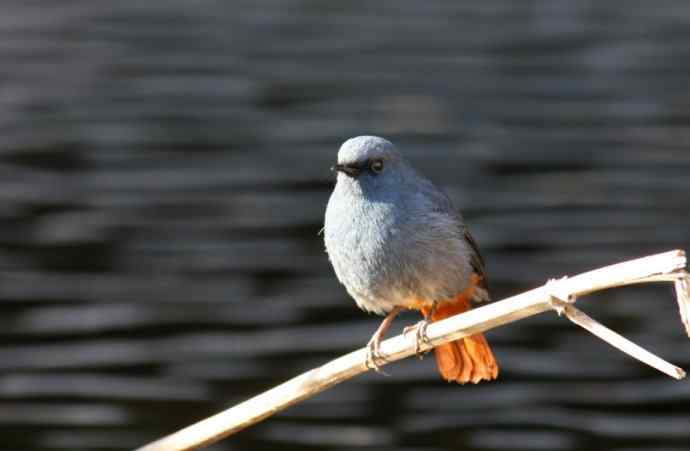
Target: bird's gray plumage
(393, 237)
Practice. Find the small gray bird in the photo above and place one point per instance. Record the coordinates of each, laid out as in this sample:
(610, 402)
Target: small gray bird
(396, 242)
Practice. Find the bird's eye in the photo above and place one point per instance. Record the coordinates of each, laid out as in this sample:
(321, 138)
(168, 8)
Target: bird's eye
(376, 166)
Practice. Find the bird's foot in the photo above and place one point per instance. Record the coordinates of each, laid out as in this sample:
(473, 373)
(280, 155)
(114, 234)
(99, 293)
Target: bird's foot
(421, 338)
(374, 359)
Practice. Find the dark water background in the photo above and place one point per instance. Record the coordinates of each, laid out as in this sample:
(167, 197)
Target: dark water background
(163, 177)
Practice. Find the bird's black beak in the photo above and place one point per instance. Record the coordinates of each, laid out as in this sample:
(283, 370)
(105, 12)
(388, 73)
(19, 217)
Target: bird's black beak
(348, 169)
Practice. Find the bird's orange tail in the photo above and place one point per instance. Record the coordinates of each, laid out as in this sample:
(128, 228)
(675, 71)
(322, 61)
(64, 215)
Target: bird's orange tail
(465, 360)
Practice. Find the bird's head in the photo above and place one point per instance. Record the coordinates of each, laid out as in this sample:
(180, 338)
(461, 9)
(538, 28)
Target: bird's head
(368, 161)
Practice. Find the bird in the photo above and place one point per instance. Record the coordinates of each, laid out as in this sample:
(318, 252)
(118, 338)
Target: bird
(397, 243)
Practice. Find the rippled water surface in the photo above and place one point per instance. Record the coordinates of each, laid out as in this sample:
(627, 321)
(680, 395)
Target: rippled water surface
(163, 177)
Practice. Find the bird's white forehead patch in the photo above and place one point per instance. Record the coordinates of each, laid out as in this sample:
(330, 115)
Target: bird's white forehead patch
(363, 148)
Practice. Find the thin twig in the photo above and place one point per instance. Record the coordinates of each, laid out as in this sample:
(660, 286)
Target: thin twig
(620, 342)
(667, 267)
(682, 285)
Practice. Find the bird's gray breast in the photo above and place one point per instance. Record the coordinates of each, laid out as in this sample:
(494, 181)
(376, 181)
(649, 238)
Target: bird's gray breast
(391, 251)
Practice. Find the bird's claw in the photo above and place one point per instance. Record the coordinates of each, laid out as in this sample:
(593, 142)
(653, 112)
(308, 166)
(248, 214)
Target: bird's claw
(374, 359)
(420, 336)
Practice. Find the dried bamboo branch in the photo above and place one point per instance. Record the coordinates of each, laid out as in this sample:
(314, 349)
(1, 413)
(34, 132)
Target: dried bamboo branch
(620, 342)
(555, 295)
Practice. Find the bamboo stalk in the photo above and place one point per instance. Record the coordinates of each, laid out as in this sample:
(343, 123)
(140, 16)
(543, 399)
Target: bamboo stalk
(555, 295)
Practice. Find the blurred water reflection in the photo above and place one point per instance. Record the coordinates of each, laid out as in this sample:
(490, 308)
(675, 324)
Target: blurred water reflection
(163, 175)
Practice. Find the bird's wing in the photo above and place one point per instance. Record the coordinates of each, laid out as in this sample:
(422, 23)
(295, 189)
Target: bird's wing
(477, 262)
(443, 203)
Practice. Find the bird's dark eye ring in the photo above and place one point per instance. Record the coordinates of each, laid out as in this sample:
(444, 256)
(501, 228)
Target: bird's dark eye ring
(376, 166)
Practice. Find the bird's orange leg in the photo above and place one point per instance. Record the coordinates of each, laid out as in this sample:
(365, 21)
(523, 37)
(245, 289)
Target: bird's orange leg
(374, 359)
